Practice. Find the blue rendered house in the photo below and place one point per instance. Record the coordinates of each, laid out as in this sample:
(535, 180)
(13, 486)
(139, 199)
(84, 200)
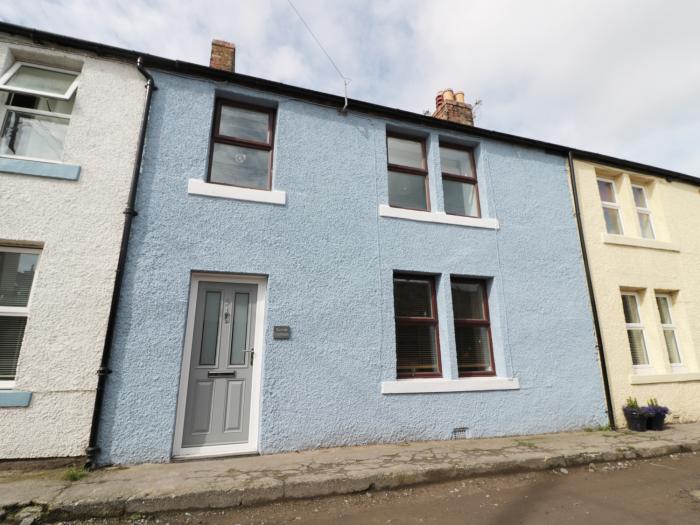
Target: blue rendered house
(300, 276)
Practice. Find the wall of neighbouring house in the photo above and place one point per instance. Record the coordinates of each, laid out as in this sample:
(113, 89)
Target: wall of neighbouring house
(79, 224)
(670, 265)
(329, 259)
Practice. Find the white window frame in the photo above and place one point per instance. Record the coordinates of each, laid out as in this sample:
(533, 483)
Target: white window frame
(611, 205)
(643, 211)
(18, 311)
(637, 326)
(671, 326)
(15, 67)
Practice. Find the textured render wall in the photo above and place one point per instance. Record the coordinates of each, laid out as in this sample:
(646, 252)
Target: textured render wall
(675, 210)
(80, 224)
(329, 258)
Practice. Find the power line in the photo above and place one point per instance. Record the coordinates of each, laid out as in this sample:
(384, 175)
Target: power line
(345, 79)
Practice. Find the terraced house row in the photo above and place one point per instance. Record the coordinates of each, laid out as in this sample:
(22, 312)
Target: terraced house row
(195, 262)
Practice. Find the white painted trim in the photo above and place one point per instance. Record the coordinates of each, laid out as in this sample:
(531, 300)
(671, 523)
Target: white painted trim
(638, 242)
(7, 385)
(207, 189)
(467, 384)
(10, 73)
(251, 447)
(663, 378)
(437, 217)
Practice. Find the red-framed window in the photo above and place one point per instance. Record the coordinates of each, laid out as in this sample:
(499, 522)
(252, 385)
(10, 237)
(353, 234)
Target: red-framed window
(241, 145)
(470, 309)
(460, 188)
(416, 319)
(408, 172)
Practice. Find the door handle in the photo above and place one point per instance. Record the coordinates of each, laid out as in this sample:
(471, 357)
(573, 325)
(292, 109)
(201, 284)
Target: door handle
(222, 374)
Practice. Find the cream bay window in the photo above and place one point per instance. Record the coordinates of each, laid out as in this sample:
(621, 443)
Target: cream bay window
(38, 102)
(635, 329)
(663, 302)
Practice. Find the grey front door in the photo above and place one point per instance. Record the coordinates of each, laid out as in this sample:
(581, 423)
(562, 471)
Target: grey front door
(217, 410)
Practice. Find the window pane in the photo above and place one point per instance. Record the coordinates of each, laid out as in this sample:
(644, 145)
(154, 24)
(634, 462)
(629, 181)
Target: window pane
(412, 298)
(460, 198)
(407, 191)
(467, 300)
(612, 221)
(52, 105)
(405, 152)
(11, 334)
(606, 190)
(240, 328)
(645, 225)
(637, 347)
(210, 329)
(36, 136)
(16, 277)
(640, 198)
(37, 79)
(456, 162)
(416, 351)
(473, 349)
(664, 310)
(629, 305)
(674, 355)
(244, 124)
(239, 166)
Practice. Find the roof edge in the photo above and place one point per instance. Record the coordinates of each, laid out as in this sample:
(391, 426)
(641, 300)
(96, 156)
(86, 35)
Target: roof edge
(166, 64)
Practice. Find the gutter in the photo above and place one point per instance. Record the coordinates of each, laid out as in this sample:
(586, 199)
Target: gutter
(200, 71)
(129, 212)
(589, 281)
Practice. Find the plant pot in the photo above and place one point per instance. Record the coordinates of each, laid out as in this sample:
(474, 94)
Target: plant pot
(656, 422)
(636, 421)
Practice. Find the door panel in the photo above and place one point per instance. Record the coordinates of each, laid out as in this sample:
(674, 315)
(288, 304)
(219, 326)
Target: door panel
(217, 408)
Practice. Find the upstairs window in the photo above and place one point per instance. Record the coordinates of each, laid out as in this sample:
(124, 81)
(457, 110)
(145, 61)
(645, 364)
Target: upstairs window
(611, 209)
(37, 109)
(646, 228)
(472, 327)
(17, 267)
(241, 152)
(415, 310)
(408, 173)
(663, 302)
(635, 329)
(459, 185)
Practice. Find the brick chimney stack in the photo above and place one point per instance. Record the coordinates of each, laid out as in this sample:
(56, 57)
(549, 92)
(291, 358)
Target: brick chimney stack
(451, 106)
(223, 55)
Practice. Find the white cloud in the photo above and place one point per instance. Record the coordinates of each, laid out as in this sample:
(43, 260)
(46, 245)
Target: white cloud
(621, 78)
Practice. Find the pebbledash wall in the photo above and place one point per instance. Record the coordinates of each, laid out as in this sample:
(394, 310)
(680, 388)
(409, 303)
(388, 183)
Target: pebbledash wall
(668, 265)
(77, 224)
(329, 257)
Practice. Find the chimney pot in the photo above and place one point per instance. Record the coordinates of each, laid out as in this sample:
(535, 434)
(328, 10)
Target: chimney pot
(451, 106)
(223, 55)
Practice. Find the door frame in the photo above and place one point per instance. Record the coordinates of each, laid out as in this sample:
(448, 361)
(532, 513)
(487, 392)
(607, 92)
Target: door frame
(251, 447)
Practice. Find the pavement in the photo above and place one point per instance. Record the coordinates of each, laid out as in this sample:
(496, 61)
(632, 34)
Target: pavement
(222, 483)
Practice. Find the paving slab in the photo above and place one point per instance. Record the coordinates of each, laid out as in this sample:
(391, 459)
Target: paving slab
(234, 481)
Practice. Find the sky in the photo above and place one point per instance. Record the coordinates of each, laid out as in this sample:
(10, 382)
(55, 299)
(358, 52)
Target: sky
(618, 77)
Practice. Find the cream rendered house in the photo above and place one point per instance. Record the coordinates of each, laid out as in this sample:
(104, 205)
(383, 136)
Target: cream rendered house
(69, 128)
(642, 235)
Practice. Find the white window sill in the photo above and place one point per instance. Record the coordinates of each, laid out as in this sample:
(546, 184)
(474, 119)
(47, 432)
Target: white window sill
(199, 187)
(437, 217)
(467, 384)
(636, 242)
(7, 385)
(676, 377)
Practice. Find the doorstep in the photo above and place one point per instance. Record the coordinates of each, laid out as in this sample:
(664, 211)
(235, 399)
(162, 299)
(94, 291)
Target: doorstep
(230, 482)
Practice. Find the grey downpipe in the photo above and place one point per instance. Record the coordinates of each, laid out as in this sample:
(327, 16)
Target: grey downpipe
(589, 281)
(104, 370)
